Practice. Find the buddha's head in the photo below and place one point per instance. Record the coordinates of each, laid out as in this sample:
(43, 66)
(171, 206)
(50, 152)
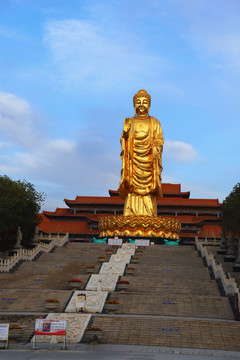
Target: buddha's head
(141, 102)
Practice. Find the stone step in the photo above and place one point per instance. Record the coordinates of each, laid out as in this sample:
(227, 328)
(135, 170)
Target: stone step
(201, 334)
(31, 300)
(171, 286)
(174, 305)
(159, 250)
(171, 272)
(40, 281)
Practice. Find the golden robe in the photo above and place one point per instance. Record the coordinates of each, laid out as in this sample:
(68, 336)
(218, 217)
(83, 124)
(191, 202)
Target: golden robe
(140, 186)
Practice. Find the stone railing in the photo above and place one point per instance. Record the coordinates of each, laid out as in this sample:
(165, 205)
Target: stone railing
(229, 284)
(49, 237)
(28, 255)
(206, 241)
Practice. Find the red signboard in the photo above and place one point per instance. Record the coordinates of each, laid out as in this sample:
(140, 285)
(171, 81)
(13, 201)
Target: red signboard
(50, 327)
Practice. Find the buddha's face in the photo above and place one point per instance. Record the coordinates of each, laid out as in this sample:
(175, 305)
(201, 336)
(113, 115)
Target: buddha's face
(141, 106)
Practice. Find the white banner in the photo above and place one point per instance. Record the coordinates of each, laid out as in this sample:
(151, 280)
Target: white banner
(50, 327)
(142, 242)
(117, 242)
(4, 331)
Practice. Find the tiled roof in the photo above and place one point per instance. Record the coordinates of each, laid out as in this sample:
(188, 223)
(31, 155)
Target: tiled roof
(167, 189)
(166, 201)
(189, 202)
(192, 219)
(59, 212)
(95, 200)
(71, 227)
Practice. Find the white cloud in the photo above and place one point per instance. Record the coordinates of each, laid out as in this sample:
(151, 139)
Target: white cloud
(179, 151)
(61, 145)
(84, 53)
(4, 145)
(214, 31)
(12, 33)
(18, 123)
(85, 166)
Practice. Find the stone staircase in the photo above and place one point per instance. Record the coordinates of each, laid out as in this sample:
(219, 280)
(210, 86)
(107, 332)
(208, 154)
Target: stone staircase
(23, 291)
(172, 299)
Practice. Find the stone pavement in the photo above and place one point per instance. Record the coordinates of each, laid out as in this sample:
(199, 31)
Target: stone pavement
(116, 352)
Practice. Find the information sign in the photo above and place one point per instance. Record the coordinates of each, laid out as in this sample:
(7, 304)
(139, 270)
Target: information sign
(4, 329)
(50, 327)
(115, 241)
(80, 302)
(142, 242)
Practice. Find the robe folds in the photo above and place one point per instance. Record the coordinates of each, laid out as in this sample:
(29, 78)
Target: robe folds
(140, 186)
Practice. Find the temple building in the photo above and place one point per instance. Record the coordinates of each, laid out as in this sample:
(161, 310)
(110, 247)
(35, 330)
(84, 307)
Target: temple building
(198, 217)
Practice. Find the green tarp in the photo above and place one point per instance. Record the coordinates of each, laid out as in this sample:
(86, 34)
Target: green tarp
(171, 242)
(100, 241)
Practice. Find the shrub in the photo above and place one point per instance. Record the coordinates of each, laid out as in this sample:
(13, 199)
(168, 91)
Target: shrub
(15, 327)
(93, 328)
(112, 301)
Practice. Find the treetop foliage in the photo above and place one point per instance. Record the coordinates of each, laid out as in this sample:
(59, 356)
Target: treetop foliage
(20, 204)
(231, 211)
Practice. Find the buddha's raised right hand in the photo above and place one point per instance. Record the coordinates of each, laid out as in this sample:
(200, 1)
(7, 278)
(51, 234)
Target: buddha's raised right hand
(127, 125)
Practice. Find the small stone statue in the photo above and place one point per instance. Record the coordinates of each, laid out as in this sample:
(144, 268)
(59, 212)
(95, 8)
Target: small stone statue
(19, 239)
(35, 239)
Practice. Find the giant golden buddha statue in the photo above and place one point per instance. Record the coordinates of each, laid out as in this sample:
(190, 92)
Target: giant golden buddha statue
(140, 185)
(142, 144)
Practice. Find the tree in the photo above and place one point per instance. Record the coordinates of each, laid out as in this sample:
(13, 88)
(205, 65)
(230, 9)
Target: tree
(231, 211)
(20, 204)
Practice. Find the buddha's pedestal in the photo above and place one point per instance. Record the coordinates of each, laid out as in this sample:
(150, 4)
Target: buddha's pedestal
(142, 226)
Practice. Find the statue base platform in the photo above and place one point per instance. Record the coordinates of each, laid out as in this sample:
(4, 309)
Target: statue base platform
(142, 226)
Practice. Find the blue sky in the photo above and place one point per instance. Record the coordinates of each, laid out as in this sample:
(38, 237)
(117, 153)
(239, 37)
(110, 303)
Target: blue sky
(69, 70)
